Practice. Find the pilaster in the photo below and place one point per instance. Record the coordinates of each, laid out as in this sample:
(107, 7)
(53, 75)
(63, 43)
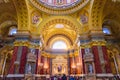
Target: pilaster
(20, 53)
(98, 45)
(84, 43)
(87, 57)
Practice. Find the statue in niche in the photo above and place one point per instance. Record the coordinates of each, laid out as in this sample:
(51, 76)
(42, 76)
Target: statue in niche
(87, 51)
(32, 51)
(35, 19)
(90, 68)
(29, 68)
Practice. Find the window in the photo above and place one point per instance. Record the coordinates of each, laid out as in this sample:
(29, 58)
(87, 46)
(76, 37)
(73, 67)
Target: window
(59, 45)
(106, 30)
(12, 31)
(59, 26)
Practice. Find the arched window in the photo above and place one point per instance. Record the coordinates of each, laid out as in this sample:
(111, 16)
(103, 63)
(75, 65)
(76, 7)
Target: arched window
(106, 30)
(12, 30)
(59, 45)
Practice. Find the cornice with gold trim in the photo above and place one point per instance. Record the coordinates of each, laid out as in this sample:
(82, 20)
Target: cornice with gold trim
(26, 43)
(93, 43)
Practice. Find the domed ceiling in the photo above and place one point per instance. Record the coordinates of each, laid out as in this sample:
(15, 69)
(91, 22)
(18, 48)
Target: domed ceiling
(59, 3)
(59, 6)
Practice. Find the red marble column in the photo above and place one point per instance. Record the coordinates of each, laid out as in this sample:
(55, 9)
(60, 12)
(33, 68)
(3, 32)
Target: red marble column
(70, 65)
(14, 56)
(96, 59)
(107, 63)
(77, 60)
(48, 61)
(83, 52)
(37, 62)
(42, 68)
(23, 60)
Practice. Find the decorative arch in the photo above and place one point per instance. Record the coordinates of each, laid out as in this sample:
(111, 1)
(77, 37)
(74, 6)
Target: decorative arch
(22, 14)
(6, 25)
(71, 36)
(96, 14)
(7, 16)
(54, 10)
(60, 35)
(60, 20)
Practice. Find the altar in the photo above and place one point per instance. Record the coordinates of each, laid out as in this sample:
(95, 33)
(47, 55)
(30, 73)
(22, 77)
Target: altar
(59, 65)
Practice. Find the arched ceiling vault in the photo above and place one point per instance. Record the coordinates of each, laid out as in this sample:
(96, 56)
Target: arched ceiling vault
(22, 14)
(111, 16)
(96, 14)
(105, 10)
(70, 36)
(55, 37)
(59, 20)
(8, 16)
(71, 27)
(4, 27)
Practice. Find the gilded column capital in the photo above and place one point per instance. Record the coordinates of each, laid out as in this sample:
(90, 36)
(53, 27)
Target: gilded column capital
(98, 43)
(93, 43)
(21, 43)
(26, 43)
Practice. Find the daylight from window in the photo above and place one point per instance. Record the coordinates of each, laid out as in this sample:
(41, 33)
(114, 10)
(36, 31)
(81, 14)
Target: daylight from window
(59, 45)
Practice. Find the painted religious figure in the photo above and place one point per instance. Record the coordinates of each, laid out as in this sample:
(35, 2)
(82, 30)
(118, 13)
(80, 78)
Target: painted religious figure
(35, 19)
(59, 68)
(90, 68)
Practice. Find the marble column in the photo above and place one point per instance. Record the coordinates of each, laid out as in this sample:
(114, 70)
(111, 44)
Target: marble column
(19, 53)
(107, 62)
(14, 56)
(83, 64)
(23, 60)
(37, 61)
(96, 59)
(42, 68)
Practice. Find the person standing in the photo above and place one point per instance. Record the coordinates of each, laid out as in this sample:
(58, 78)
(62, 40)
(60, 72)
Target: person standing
(64, 77)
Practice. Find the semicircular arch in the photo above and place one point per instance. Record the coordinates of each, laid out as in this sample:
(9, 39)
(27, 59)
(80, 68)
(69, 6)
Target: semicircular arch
(5, 25)
(59, 20)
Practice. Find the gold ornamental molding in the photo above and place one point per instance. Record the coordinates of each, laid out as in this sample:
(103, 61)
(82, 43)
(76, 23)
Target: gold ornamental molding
(59, 20)
(26, 43)
(98, 43)
(93, 43)
(52, 10)
(97, 10)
